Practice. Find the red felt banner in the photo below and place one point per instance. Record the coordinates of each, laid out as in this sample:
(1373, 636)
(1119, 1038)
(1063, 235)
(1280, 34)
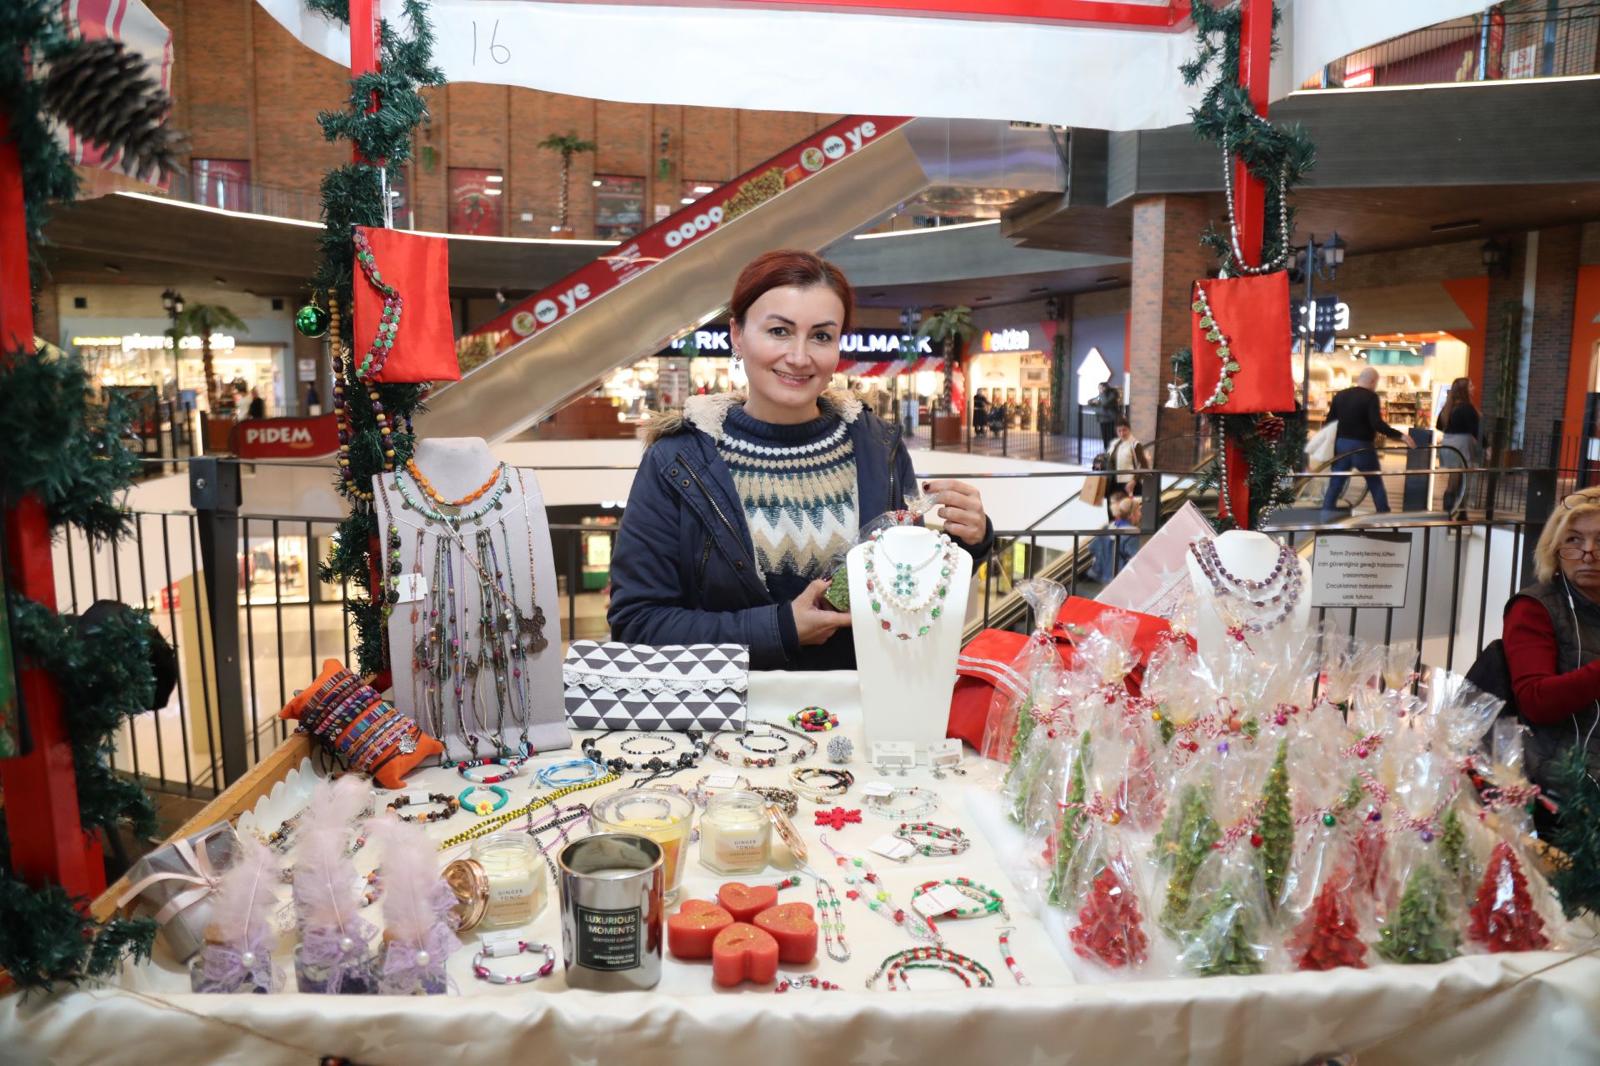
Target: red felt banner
(1252, 312)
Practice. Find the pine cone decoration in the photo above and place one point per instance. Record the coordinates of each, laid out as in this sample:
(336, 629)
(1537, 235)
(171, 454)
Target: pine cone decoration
(104, 93)
(1269, 428)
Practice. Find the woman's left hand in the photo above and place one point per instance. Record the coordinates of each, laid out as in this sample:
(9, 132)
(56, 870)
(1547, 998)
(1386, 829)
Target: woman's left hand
(961, 507)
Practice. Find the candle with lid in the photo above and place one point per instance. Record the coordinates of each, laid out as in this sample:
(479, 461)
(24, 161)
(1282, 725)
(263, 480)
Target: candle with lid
(517, 886)
(735, 834)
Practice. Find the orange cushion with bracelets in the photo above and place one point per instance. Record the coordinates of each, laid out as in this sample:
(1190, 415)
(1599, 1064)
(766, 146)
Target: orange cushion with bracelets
(388, 763)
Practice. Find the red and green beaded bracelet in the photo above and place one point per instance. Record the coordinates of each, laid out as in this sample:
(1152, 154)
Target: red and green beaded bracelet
(814, 719)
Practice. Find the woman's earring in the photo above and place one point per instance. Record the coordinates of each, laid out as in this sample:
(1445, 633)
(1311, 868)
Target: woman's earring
(736, 364)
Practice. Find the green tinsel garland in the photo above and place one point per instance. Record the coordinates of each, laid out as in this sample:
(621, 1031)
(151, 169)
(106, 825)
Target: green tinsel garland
(45, 939)
(1577, 834)
(73, 458)
(1279, 156)
(34, 28)
(352, 196)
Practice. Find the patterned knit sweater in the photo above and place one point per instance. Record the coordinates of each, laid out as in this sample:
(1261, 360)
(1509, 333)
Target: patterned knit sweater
(798, 487)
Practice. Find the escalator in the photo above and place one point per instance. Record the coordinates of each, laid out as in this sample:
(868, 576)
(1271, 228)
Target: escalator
(560, 342)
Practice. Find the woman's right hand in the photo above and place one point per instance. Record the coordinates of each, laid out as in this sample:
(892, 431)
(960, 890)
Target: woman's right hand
(812, 621)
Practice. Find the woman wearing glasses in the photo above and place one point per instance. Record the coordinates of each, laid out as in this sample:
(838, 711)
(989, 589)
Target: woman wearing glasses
(1552, 639)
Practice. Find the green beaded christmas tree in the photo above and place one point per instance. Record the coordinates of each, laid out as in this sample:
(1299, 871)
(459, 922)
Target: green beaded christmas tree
(1423, 930)
(1019, 758)
(1224, 937)
(1073, 819)
(1276, 829)
(1453, 851)
(1183, 844)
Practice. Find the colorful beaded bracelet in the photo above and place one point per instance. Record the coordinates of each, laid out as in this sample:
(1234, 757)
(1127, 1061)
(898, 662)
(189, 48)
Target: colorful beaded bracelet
(942, 840)
(499, 769)
(986, 900)
(494, 950)
(922, 802)
(493, 824)
(805, 980)
(767, 756)
(814, 719)
(451, 804)
(483, 808)
(839, 782)
(781, 798)
(931, 958)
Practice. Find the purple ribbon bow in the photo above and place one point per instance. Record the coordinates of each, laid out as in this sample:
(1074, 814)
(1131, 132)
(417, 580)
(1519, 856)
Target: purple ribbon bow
(408, 964)
(343, 952)
(226, 967)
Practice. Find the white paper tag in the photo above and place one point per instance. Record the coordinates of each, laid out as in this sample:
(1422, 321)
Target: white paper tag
(417, 797)
(892, 847)
(722, 780)
(941, 900)
(498, 945)
(759, 729)
(878, 788)
(412, 587)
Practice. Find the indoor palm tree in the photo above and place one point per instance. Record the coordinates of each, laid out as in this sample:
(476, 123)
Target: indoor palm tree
(952, 328)
(201, 320)
(568, 144)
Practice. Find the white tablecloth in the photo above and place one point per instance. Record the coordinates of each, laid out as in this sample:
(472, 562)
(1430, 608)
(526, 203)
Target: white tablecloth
(1542, 1007)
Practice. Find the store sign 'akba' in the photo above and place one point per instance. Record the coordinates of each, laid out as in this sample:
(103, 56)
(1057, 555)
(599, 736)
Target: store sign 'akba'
(1006, 340)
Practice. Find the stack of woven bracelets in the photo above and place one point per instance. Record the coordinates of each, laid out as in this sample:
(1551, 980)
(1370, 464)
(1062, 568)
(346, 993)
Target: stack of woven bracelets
(357, 724)
(834, 783)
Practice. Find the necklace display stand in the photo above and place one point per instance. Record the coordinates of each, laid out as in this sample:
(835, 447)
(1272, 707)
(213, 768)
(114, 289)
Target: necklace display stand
(906, 683)
(1246, 556)
(519, 533)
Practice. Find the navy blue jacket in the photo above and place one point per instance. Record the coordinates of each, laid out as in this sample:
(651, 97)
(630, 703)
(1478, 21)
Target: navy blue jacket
(684, 568)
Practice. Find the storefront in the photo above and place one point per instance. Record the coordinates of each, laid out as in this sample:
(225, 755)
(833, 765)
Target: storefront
(147, 357)
(1009, 368)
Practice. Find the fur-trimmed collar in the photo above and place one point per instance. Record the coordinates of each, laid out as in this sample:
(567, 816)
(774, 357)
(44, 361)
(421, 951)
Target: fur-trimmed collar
(707, 413)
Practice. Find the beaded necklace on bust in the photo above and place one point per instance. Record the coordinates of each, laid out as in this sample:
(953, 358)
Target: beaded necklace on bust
(900, 589)
(1272, 599)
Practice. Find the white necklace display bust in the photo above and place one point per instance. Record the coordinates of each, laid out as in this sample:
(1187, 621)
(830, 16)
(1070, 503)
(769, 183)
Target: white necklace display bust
(906, 682)
(501, 568)
(1253, 567)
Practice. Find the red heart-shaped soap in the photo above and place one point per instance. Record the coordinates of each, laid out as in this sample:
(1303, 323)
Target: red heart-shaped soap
(794, 927)
(742, 952)
(692, 930)
(744, 901)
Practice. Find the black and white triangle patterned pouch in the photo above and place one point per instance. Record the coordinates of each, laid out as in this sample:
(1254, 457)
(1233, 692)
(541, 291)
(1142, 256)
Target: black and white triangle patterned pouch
(674, 687)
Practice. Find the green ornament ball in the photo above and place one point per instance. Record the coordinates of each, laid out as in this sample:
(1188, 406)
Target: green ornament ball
(311, 321)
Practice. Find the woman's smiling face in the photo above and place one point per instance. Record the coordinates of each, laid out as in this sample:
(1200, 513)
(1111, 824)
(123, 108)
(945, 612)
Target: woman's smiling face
(790, 343)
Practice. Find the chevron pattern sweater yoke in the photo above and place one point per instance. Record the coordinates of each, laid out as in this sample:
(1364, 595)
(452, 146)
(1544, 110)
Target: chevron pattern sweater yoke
(798, 487)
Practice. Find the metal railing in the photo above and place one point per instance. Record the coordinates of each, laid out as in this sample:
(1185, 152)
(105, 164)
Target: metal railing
(1518, 40)
(240, 599)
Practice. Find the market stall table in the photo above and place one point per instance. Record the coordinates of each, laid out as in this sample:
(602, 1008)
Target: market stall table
(1505, 1008)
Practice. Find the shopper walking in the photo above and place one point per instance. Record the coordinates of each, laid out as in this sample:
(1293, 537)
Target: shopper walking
(1461, 446)
(1360, 420)
(1552, 640)
(743, 501)
(1108, 408)
(1123, 458)
(980, 413)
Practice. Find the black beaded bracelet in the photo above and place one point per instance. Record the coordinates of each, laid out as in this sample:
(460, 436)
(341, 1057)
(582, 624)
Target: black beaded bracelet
(655, 763)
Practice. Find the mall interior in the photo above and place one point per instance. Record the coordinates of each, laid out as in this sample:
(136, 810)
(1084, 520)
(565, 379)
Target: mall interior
(1449, 230)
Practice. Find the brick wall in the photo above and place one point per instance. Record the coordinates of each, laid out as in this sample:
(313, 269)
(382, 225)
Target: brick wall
(1167, 258)
(246, 89)
(1555, 290)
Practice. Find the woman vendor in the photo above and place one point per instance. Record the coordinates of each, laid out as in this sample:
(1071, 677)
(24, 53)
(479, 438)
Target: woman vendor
(1552, 640)
(742, 503)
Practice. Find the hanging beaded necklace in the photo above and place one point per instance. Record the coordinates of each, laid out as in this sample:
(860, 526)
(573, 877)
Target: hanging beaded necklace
(830, 917)
(433, 494)
(1276, 594)
(530, 627)
(900, 591)
(858, 872)
(420, 504)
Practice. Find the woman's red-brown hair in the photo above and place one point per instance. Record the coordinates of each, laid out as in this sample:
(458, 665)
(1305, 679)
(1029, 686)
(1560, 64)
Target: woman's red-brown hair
(789, 266)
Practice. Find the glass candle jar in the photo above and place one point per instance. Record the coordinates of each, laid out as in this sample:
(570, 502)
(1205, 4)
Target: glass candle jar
(735, 834)
(664, 817)
(515, 879)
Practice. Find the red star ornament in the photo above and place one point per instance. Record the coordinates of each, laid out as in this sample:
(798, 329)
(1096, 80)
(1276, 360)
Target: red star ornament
(837, 818)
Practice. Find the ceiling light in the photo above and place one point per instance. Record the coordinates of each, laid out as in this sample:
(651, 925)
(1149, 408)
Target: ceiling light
(555, 229)
(494, 177)
(708, 188)
(687, 200)
(492, 192)
(595, 183)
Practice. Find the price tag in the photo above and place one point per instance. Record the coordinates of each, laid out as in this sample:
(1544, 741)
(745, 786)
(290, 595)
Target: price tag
(412, 587)
(722, 780)
(759, 729)
(892, 847)
(945, 753)
(941, 900)
(879, 788)
(498, 945)
(416, 797)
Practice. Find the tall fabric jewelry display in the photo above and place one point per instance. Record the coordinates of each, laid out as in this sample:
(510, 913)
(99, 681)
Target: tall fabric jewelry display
(473, 621)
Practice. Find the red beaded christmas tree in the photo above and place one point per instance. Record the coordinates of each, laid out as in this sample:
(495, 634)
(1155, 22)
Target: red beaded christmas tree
(1110, 927)
(1503, 918)
(1140, 796)
(1328, 935)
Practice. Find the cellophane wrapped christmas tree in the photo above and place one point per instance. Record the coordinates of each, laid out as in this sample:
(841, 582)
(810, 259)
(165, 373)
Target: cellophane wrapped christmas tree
(1329, 935)
(1063, 872)
(1110, 927)
(1274, 837)
(1183, 844)
(1503, 916)
(1008, 734)
(1423, 929)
